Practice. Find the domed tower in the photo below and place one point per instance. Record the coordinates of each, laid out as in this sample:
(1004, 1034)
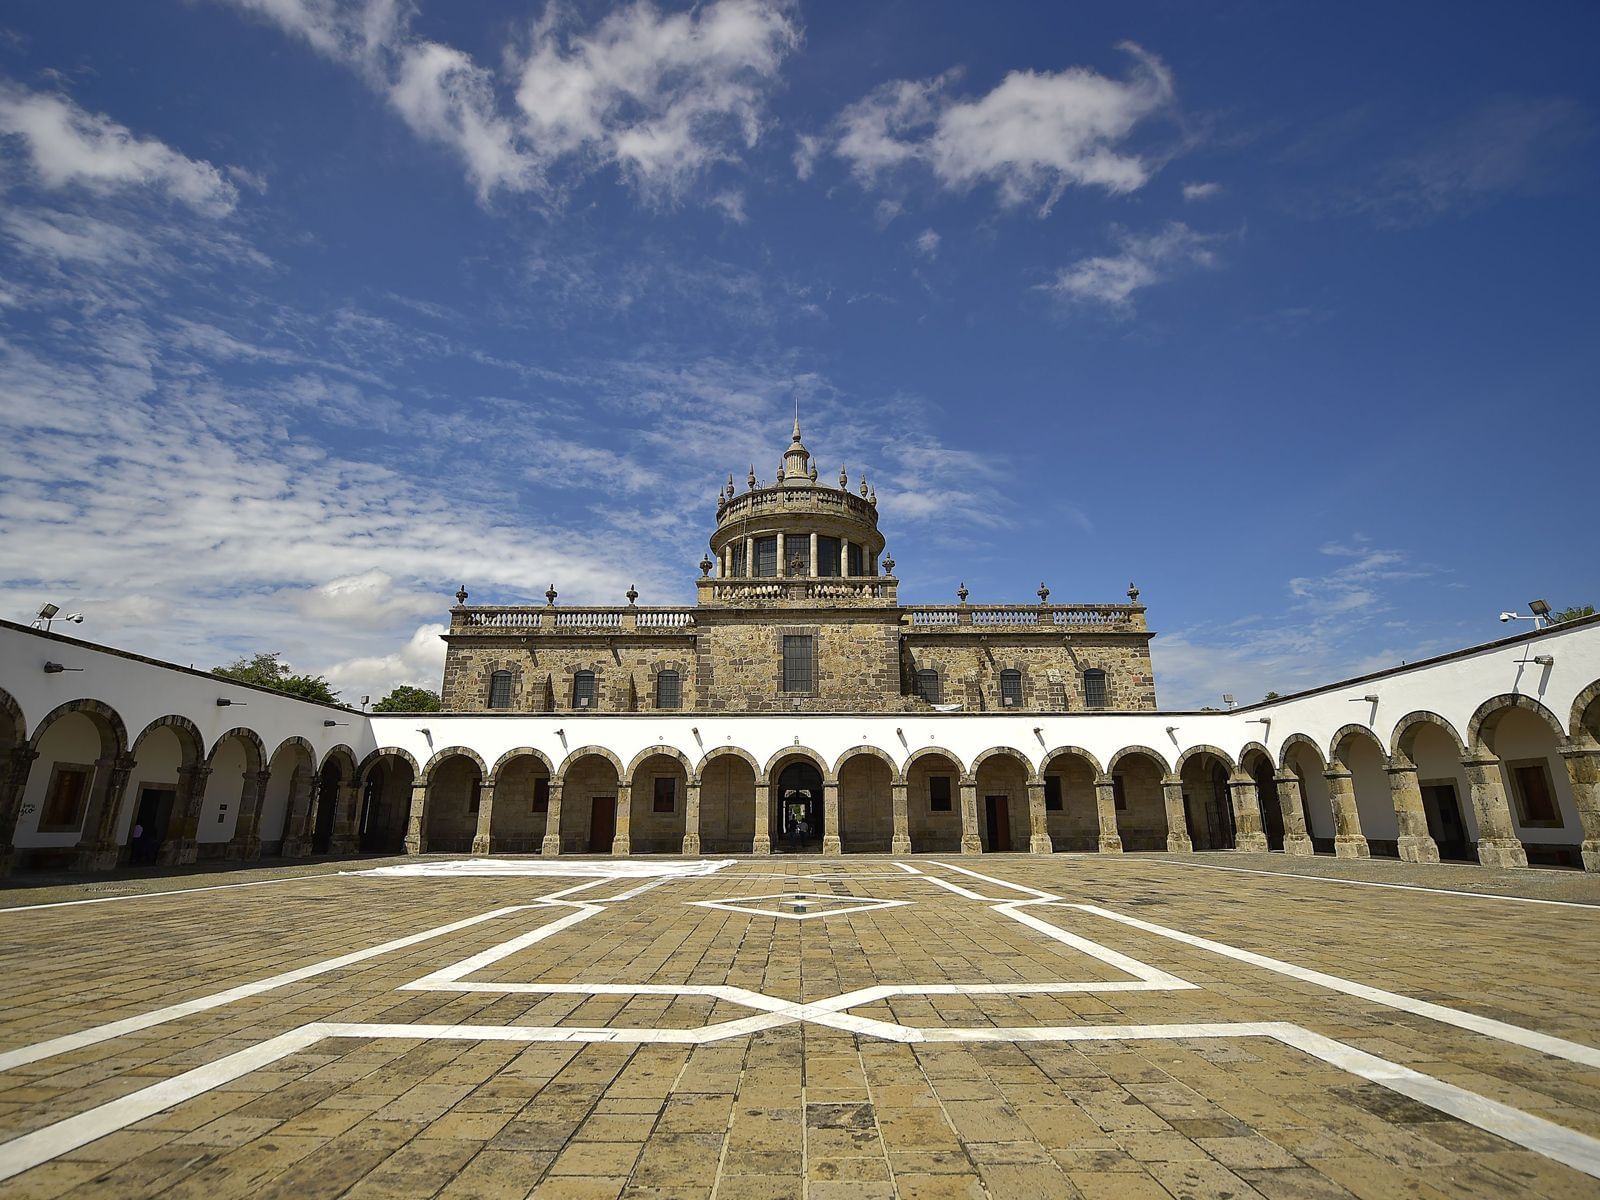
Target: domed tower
(797, 541)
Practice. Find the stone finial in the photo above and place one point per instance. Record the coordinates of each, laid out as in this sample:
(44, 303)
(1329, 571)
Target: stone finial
(844, 480)
(722, 502)
(633, 595)
(461, 595)
(780, 472)
(550, 594)
(813, 472)
(961, 592)
(1133, 594)
(796, 436)
(730, 486)
(750, 479)
(863, 487)
(873, 498)
(1044, 593)
(705, 565)
(888, 564)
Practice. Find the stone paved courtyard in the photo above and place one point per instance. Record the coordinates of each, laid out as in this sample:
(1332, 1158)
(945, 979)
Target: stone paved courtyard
(1002, 1026)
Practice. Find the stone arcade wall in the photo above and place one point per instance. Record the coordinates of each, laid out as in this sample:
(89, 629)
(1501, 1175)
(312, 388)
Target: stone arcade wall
(1052, 673)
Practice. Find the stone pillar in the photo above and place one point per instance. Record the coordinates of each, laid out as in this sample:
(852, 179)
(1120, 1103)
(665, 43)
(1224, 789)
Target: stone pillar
(346, 815)
(246, 840)
(762, 843)
(813, 554)
(1498, 845)
(749, 557)
(99, 851)
(14, 771)
(1246, 798)
(622, 842)
(302, 817)
(482, 837)
(1105, 804)
(831, 843)
(179, 848)
(1416, 843)
(1177, 819)
(971, 839)
(1038, 822)
(1348, 841)
(901, 840)
(1583, 771)
(691, 816)
(416, 820)
(550, 846)
(1296, 840)
(783, 566)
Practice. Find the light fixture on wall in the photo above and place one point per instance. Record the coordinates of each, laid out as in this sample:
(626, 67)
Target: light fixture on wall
(1539, 611)
(331, 724)
(49, 613)
(224, 702)
(1362, 699)
(1545, 660)
(55, 668)
(1227, 698)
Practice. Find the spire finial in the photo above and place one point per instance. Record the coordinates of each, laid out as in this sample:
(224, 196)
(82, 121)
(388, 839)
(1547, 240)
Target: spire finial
(797, 414)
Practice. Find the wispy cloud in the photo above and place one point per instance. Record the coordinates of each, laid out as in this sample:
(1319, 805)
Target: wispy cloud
(1201, 191)
(1143, 260)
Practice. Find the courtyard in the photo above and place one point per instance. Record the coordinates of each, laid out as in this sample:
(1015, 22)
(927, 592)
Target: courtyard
(928, 1026)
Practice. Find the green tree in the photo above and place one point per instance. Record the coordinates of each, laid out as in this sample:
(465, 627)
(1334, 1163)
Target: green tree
(266, 669)
(408, 699)
(1270, 696)
(1572, 614)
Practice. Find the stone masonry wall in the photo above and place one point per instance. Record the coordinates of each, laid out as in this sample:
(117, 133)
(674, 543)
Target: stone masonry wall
(1052, 673)
(542, 671)
(739, 665)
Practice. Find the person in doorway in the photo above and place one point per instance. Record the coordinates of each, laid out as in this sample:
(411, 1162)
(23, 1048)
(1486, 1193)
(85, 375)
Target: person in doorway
(136, 844)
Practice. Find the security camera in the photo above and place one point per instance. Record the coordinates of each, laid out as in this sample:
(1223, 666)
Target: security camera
(1508, 616)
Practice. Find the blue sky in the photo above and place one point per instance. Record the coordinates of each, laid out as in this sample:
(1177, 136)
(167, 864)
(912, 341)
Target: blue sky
(311, 311)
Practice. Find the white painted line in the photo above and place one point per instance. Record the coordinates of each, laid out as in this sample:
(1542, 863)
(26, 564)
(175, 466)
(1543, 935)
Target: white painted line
(744, 904)
(1016, 887)
(1542, 1042)
(908, 868)
(212, 887)
(1404, 887)
(614, 868)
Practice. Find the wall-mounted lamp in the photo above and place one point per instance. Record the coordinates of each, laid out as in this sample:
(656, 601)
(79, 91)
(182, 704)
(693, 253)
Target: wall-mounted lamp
(1258, 721)
(1172, 729)
(55, 668)
(1545, 660)
(331, 724)
(1362, 699)
(224, 702)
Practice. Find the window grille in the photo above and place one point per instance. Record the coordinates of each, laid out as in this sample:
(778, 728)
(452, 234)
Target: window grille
(1536, 801)
(766, 557)
(666, 794)
(927, 683)
(1011, 689)
(857, 564)
(738, 567)
(65, 797)
(799, 653)
(500, 689)
(1094, 688)
(669, 690)
(583, 689)
(797, 550)
(827, 556)
(939, 793)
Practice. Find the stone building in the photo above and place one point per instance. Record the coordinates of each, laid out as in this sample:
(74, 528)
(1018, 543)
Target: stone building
(798, 611)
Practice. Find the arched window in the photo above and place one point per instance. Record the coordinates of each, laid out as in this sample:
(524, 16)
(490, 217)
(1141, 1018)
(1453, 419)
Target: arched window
(669, 690)
(583, 689)
(1011, 689)
(500, 689)
(1094, 688)
(927, 683)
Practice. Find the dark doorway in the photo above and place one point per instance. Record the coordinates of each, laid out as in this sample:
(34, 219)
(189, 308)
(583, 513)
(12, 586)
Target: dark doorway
(327, 809)
(997, 820)
(800, 815)
(1445, 826)
(150, 820)
(602, 824)
(1271, 810)
(373, 831)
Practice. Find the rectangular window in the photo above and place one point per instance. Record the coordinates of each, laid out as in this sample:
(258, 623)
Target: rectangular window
(1536, 797)
(1011, 689)
(827, 556)
(500, 689)
(857, 564)
(541, 795)
(737, 567)
(583, 689)
(669, 690)
(1052, 793)
(1094, 689)
(1119, 792)
(799, 654)
(927, 683)
(66, 797)
(797, 550)
(666, 794)
(939, 793)
(766, 557)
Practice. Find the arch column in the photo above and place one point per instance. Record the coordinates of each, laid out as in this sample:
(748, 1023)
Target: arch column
(550, 847)
(971, 842)
(1348, 841)
(691, 816)
(899, 792)
(14, 772)
(761, 842)
(1497, 840)
(416, 827)
(622, 841)
(830, 817)
(1246, 799)
(346, 812)
(1296, 841)
(1416, 843)
(1038, 830)
(246, 840)
(302, 816)
(1105, 807)
(101, 852)
(180, 850)
(1583, 770)
(1177, 820)
(481, 835)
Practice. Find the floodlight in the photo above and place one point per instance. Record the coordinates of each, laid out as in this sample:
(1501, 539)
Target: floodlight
(1538, 608)
(48, 612)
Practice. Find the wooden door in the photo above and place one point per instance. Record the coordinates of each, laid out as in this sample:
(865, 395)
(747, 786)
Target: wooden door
(999, 821)
(602, 824)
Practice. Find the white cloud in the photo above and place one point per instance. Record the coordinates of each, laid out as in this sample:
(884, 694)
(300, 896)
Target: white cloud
(1201, 191)
(418, 663)
(1143, 260)
(1033, 136)
(68, 146)
(807, 149)
(731, 203)
(444, 96)
(927, 243)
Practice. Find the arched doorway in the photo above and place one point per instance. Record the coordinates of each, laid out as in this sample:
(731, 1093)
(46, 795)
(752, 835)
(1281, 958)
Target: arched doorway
(1004, 822)
(591, 780)
(658, 791)
(521, 804)
(866, 803)
(1071, 815)
(933, 801)
(1206, 800)
(1259, 767)
(455, 792)
(728, 802)
(331, 782)
(385, 806)
(799, 825)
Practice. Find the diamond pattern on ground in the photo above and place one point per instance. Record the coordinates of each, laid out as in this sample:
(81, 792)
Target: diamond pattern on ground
(799, 906)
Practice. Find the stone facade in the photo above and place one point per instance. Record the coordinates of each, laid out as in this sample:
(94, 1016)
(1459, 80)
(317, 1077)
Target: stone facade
(800, 559)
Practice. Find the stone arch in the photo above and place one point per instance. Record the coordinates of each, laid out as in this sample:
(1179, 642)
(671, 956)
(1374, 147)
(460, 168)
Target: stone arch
(256, 753)
(1250, 748)
(1286, 751)
(1484, 720)
(298, 743)
(590, 778)
(1078, 752)
(98, 811)
(585, 751)
(1353, 731)
(510, 756)
(1581, 729)
(449, 752)
(870, 752)
(805, 752)
(1255, 762)
(13, 712)
(727, 801)
(286, 808)
(666, 751)
(1156, 756)
(796, 823)
(738, 752)
(922, 752)
(1405, 733)
(650, 831)
(344, 753)
(188, 734)
(1011, 752)
(383, 752)
(169, 827)
(229, 793)
(1195, 751)
(104, 717)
